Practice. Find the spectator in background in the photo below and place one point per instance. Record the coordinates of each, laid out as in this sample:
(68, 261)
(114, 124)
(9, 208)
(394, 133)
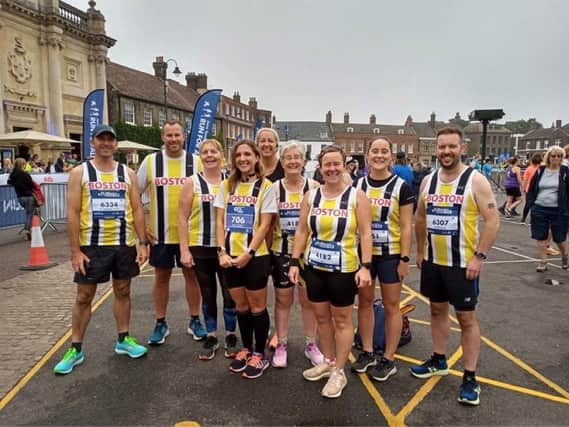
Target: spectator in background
(419, 172)
(352, 168)
(50, 167)
(536, 160)
(23, 184)
(487, 170)
(512, 185)
(7, 165)
(60, 163)
(402, 169)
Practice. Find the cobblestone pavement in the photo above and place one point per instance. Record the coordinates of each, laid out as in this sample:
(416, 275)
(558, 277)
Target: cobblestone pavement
(35, 311)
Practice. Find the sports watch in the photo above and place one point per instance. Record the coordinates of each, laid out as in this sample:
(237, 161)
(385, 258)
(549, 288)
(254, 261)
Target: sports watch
(404, 258)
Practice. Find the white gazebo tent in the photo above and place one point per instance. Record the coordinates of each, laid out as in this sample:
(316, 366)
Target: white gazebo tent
(132, 148)
(37, 141)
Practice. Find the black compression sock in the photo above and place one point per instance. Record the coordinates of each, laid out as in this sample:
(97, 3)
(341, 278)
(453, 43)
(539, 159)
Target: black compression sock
(261, 323)
(245, 320)
(161, 320)
(468, 375)
(122, 336)
(77, 346)
(438, 356)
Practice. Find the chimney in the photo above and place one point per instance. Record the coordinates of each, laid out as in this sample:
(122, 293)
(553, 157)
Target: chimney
(329, 117)
(346, 118)
(274, 120)
(236, 97)
(192, 81)
(433, 120)
(557, 124)
(202, 82)
(372, 120)
(160, 67)
(409, 121)
(253, 103)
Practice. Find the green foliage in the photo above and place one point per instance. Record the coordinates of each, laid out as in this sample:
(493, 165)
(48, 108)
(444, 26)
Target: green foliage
(141, 134)
(523, 126)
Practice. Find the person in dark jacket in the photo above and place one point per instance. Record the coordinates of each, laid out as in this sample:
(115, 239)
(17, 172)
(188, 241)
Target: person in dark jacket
(548, 199)
(24, 185)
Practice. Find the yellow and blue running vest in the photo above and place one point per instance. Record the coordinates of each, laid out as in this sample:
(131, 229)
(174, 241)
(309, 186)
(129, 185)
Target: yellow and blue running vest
(202, 218)
(385, 227)
(286, 224)
(452, 219)
(333, 241)
(106, 217)
(164, 178)
(243, 214)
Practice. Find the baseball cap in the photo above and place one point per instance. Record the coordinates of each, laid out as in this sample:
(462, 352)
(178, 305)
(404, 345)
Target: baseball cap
(100, 129)
(401, 155)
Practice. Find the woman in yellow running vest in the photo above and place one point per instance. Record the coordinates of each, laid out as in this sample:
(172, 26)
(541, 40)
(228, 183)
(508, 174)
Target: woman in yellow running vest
(245, 206)
(198, 246)
(333, 219)
(289, 192)
(392, 216)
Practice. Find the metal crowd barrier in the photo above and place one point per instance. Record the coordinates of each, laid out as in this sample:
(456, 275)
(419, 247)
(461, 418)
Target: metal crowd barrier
(11, 213)
(54, 211)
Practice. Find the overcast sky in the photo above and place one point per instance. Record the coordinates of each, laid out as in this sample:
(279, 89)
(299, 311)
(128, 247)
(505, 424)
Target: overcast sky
(391, 58)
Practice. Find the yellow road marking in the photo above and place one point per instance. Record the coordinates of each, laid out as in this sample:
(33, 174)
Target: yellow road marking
(424, 390)
(376, 396)
(187, 424)
(407, 299)
(29, 375)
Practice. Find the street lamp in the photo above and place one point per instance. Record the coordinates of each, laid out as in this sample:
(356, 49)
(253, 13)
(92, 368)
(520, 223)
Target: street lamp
(177, 72)
(485, 116)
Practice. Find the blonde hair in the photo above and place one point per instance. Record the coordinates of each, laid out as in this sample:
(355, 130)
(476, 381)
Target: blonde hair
(271, 130)
(19, 163)
(555, 149)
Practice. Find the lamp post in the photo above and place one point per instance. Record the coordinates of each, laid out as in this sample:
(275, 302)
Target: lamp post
(485, 116)
(177, 73)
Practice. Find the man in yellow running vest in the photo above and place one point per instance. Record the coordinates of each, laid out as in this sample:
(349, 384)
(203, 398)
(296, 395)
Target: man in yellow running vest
(163, 174)
(450, 254)
(103, 213)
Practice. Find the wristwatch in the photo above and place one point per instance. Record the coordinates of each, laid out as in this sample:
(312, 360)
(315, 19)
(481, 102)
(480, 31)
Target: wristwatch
(251, 251)
(221, 249)
(480, 255)
(404, 258)
(366, 265)
(144, 242)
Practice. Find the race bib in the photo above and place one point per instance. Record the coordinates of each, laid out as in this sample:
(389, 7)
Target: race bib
(324, 255)
(240, 219)
(379, 232)
(108, 204)
(289, 220)
(442, 220)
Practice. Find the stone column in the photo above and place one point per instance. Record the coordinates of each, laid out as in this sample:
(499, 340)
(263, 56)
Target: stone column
(100, 59)
(55, 101)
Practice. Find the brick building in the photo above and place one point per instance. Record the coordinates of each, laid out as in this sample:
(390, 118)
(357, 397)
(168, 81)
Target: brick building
(355, 137)
(539, 140)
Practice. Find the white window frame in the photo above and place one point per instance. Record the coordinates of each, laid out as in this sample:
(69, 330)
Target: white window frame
(128, 112)
(147, 117)
(350, 130)
(394, 148)
(161, 118)
(233, 110)
(401, 131)
(175, 116)
(409, 148)
(538, 145)
(376, 130)
(227, 109)
(352, 147)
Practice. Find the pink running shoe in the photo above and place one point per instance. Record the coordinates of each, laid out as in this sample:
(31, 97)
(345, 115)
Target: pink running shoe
(279, 358)
(313, 353)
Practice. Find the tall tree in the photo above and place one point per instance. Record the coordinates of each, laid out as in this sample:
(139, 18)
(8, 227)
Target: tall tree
(523, 126)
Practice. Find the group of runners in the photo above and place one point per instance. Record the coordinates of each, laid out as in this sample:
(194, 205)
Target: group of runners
(330, 241)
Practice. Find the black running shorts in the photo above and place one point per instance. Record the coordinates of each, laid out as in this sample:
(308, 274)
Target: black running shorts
(326, 286)
(253, 277)
(118, 261)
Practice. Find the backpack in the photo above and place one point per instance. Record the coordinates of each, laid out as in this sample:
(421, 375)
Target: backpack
(379, 328)
(39, 197)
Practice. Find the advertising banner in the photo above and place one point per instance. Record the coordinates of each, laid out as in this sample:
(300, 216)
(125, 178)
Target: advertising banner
(92, 116)
(204, 118)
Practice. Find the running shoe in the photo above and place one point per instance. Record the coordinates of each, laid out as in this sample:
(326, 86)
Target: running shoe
(256, 365)
(551, 251)
(313, 353)
(565, 262)
(502, 210)
(469, 392)
(324, 370)
(430, 368)
(383, 370)
(231, 346)
(364, 361)
(507, 213)
(541, 267)
(161, 331)
(71, 359)
(336, 383)
(280, 356)
(130, 347)
(196, 329)
(239, 363)
(210, 346)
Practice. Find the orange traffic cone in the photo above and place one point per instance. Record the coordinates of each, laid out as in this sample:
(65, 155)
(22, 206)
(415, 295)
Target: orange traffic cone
(38, 254)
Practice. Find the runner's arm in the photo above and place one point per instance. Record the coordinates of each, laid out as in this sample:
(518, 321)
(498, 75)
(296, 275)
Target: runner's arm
(486, 203)
(74, 195)
(363, 214)
(136, 204)
(421, 225)
(299, 240)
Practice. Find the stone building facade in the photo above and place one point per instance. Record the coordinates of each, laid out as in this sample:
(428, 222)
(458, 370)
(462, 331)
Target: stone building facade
(51, 56)
(539, 140)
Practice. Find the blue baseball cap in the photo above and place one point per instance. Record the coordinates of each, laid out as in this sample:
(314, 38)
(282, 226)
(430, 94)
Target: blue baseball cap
(100, 129)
